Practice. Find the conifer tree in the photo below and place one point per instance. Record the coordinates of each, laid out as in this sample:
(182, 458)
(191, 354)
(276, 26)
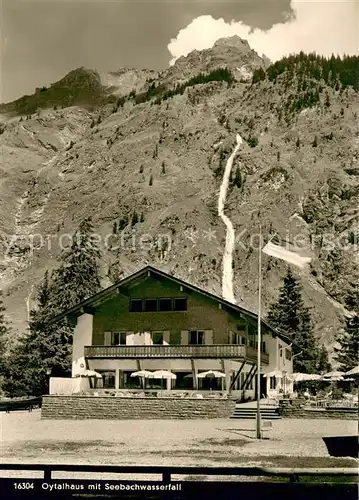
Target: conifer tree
(348, 352)
(77, 278)
(43, 347)
(290, 315)
(323, 364)
(49, 346)
(5, 333)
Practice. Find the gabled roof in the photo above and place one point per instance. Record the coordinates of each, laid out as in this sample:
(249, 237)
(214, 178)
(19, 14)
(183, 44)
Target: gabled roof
(111, 291)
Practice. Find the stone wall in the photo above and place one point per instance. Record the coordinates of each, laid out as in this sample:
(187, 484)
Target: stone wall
(287, 410)
(116, 408)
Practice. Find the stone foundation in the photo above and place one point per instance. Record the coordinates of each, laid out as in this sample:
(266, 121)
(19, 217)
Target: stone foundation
(127, 408)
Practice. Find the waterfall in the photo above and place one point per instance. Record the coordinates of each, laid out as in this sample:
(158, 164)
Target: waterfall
(227, 276)
(28, 305)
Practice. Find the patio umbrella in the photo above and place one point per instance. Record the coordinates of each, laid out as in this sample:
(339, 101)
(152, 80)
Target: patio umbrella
(353, 372)
(163, 374)
(143, 374)
(89, 373)
(300, 377)
(211, 374)
(334, 375)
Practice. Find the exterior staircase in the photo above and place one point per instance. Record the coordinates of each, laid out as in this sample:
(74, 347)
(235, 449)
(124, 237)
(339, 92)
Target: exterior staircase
(250, 412)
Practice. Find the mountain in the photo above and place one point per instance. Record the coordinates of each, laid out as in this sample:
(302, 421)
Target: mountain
(79, 87)
(143, 153)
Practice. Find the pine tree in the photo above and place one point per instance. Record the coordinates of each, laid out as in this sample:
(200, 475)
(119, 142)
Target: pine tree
(48, 346)
(290, 315)
(43, 347)
(77, 278)
(304, 342)
(4, 336)
(348, 352)
(323, 364)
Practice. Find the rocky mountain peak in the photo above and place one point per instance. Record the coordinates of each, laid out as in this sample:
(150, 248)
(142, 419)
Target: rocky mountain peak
(233, 53)
(234, 41)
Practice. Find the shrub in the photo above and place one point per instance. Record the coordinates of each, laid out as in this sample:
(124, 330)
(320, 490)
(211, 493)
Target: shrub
(252, 142)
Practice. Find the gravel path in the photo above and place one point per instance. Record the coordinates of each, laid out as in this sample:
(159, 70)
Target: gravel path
(26, 438)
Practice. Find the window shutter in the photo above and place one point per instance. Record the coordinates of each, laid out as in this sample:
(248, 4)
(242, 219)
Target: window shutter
(184, 337)
(208, 337)
(166, 338)
(107, 338)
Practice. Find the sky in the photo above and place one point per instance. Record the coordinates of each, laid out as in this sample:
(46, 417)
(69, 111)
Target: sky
(42, 40)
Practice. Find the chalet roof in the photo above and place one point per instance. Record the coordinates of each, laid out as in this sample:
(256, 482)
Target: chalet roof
(113, 290)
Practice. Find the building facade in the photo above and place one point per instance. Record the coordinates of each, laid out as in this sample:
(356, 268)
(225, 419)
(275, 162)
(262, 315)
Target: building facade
(154, 321)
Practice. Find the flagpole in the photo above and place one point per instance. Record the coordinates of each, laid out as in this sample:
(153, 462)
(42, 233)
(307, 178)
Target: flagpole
(259, 434)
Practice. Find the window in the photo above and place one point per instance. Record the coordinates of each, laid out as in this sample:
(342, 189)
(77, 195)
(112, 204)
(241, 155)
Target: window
(157, 338)
(288, 354)
(272, 382)
(150, 305)
(136, 305)
(237, 338)
(165, 304)
(281, 351)
(264, 347)
(154, 304)
(180, 304)
(118, 338)
(108, 379)
(196, 337)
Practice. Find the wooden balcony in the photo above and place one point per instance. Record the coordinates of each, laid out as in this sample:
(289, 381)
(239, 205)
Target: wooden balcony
(229, 351)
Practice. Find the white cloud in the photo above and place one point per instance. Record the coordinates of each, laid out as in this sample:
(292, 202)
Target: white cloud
(323, 26)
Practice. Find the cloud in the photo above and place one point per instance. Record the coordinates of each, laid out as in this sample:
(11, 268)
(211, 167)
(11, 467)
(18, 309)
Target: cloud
(321, 26)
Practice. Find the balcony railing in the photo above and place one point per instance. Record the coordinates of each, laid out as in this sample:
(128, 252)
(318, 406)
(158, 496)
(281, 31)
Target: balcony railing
(175, 351)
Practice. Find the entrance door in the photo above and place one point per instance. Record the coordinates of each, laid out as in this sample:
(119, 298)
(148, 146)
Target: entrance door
(263, 386)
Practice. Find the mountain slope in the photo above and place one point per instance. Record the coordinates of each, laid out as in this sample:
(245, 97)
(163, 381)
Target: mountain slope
(153, 171)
